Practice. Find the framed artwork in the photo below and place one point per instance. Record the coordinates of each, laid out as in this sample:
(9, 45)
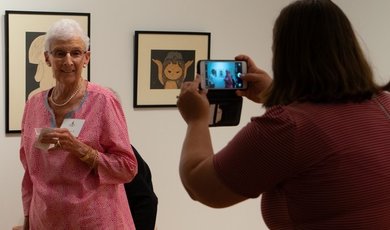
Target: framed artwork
(26, 71)
(163, 61)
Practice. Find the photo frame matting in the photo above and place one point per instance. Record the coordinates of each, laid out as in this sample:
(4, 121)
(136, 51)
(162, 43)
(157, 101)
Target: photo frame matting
(162, 61)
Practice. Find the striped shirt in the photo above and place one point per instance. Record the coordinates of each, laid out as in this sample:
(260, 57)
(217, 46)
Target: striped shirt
(317, 166)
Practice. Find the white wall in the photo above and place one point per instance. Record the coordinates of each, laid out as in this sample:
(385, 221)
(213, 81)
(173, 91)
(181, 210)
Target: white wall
(236, 27)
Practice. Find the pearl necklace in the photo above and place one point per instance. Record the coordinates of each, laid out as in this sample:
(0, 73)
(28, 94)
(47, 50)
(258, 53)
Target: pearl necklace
(68, 100)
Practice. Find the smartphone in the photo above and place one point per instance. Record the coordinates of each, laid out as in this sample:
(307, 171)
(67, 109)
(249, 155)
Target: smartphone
(222, 74)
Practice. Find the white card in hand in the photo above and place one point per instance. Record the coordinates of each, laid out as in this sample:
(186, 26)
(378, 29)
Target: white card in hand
(73, 125)
(38, 135)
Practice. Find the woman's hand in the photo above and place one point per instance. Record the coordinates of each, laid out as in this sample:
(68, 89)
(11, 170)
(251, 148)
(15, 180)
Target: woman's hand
(258, 81)
(193, 103)
(62, 138)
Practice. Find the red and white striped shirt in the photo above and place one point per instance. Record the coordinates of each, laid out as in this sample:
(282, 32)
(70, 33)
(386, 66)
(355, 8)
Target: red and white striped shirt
(317, 166)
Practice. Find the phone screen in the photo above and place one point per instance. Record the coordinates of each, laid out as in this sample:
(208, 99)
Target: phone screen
(224, 74)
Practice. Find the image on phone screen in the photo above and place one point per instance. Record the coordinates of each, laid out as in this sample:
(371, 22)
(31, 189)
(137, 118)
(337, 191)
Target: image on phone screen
(224, 74)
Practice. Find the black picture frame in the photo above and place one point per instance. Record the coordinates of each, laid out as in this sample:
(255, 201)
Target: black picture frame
(24, 58)
(157, 51)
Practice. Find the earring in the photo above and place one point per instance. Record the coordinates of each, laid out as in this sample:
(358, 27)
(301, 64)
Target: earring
(84, 65)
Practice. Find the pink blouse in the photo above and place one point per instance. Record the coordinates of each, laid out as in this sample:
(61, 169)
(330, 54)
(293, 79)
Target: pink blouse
(62, 192)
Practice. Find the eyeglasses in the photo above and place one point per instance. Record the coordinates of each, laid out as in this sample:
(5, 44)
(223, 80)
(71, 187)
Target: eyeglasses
(60, 54)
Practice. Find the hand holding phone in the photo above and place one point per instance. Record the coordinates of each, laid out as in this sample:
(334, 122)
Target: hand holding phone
(222, 74)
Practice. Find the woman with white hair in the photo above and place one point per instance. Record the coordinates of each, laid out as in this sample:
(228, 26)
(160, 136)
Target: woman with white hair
(75, 147)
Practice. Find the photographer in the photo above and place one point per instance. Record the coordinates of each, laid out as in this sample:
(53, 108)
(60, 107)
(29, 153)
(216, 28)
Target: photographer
(319, 155)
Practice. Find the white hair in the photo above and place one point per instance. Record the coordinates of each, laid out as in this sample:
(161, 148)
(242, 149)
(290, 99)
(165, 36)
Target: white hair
(65, 29)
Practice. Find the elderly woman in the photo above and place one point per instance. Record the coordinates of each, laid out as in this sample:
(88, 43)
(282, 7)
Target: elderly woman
(75, 147)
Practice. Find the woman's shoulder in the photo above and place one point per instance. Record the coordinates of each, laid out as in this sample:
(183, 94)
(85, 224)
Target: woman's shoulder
(384, 94)
(293, 113)
(37, 97)
(383, 98)
(104, 93)
(275, 115)
(285, 110)
(94, 87)
(100, 90)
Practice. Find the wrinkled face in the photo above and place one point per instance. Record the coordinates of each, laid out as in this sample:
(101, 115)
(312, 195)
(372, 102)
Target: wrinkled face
(173, 71)
(67, 59)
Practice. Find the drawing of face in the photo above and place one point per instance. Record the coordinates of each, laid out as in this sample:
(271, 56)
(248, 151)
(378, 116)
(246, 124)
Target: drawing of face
(173, 71)
(43, 74)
